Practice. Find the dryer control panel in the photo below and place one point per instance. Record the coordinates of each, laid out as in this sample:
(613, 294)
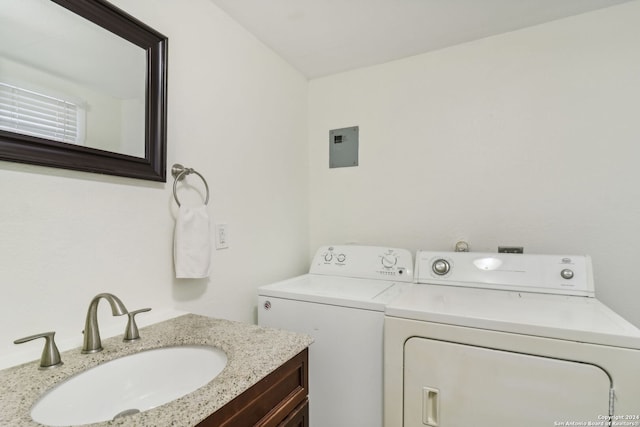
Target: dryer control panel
(555, 274)
(365, 262)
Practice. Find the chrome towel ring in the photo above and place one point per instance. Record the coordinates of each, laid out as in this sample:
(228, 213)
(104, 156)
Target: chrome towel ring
(179, 172)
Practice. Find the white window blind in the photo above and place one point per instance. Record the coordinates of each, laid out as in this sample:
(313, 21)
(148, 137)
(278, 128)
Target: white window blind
(30, 113)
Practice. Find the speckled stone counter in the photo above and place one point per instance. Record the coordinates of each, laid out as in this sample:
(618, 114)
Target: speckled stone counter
(253, 352)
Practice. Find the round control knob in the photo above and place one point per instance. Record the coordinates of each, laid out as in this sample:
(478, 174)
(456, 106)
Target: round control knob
(328, 256)
(341, 257)
(440, 267)
(566, 274)
(389, 260)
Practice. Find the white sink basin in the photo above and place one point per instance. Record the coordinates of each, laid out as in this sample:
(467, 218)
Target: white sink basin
(130, 384)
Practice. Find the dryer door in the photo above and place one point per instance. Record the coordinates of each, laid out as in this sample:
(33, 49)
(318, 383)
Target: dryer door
(457, 385)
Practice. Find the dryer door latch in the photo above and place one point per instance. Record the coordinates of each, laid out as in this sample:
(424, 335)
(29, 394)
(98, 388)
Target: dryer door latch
(612, 397)
(430, 407)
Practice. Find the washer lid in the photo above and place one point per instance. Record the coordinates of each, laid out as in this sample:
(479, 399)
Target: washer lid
(570, 318)
(341, 291)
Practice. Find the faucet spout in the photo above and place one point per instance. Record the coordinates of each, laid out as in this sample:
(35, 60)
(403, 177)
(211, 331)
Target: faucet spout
(92, 342)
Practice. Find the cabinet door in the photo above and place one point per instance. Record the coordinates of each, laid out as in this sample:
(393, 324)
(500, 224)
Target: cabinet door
(270, 401)
(456, 385)
(299, 417)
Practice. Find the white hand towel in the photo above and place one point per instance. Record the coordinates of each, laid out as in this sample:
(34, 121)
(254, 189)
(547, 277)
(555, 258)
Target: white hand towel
(192, 243)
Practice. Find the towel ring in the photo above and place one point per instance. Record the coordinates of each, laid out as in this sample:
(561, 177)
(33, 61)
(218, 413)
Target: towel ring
(179, 172)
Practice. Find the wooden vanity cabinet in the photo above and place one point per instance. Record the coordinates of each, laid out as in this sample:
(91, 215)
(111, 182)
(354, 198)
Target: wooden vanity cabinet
(280, 399)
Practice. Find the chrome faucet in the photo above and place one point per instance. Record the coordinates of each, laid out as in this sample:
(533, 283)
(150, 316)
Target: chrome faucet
(92, 342)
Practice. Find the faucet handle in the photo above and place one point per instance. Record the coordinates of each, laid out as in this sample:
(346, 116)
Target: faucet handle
(50, 355)
(132, 333)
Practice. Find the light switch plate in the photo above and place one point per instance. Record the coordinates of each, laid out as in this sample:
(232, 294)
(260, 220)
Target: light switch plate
(222, 236)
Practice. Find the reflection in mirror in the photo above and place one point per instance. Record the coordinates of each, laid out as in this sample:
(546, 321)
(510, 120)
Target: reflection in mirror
(67, 79)
(82, 86)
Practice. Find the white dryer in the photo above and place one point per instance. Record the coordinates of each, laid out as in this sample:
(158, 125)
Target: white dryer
(489, 340)
(340, 303)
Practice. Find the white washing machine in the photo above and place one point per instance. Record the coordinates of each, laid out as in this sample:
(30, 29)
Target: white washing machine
(507, 340)
(340, 303)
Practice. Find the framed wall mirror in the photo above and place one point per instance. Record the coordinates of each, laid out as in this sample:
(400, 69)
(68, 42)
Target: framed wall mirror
(83, 86)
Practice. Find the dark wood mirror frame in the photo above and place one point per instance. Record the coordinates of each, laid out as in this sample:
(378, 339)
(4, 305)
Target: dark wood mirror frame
(28, 149)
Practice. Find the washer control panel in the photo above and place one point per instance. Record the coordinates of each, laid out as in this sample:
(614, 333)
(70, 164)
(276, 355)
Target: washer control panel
(557, 274)
(366, 262)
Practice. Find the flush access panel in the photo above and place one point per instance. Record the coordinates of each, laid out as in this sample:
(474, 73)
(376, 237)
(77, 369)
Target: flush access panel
(343, 147)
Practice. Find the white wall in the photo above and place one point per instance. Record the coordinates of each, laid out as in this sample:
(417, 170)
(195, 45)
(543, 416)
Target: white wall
(237, 113)
(529, 138)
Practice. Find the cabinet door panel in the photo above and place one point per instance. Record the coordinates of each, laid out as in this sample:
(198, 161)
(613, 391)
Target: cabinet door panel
(269, 402)
(299, 417)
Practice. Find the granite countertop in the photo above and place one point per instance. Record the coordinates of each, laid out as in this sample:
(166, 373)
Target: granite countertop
(253, 352)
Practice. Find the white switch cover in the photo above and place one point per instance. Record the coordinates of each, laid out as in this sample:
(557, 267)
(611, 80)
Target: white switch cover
(222, 236)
